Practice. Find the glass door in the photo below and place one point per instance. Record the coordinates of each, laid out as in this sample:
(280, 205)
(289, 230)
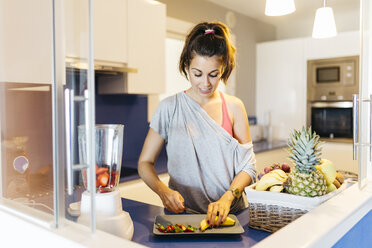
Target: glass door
(364, 127)
(46, 92)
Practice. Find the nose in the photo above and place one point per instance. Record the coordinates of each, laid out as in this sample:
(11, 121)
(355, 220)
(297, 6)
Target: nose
(205, 81)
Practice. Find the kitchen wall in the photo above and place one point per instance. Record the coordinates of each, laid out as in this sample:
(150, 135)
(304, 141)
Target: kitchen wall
(247, 32)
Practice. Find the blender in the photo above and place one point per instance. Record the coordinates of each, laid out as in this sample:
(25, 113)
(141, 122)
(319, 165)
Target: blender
(109, 214)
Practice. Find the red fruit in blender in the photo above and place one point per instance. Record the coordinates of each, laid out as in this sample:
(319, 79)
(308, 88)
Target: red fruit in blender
(113, 178)
(101, 170)
(103, 179)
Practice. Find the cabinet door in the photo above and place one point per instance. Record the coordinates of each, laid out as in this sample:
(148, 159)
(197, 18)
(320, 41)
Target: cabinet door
(146, 46)
(26, 33)
(110, 29)
(281, 86)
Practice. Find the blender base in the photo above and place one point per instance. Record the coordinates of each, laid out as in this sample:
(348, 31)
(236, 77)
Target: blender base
(110, 216)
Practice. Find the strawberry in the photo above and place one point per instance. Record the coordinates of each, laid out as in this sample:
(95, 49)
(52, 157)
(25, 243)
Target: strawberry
(101, 170)
(103, 179)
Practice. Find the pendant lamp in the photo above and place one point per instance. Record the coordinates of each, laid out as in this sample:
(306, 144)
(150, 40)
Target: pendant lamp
(279, 7)
(324, 23)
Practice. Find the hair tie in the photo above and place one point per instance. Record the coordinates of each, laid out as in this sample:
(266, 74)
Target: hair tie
(209, 31)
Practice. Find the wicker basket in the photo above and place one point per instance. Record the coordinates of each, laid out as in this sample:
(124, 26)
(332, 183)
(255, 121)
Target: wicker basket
(270, 211)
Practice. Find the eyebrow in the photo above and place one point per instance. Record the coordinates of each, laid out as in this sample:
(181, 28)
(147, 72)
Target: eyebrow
(201, 71)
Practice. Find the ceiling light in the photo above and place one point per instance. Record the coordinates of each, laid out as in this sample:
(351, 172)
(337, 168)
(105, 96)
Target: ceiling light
(279, 7)
(324, 23)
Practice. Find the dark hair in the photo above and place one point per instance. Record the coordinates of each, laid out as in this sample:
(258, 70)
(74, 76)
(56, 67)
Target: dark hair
(216, 41)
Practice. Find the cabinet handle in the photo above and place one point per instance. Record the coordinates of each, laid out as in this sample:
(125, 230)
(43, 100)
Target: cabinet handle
(355, 125)
(69, 124)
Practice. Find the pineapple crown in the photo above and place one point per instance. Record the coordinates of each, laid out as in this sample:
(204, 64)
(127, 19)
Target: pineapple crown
(305, 149)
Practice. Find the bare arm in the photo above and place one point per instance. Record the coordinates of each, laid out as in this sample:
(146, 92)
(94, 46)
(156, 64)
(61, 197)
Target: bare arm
(172, 200)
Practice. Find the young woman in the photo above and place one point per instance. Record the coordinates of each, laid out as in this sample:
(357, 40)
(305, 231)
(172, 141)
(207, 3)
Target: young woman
(206, 133)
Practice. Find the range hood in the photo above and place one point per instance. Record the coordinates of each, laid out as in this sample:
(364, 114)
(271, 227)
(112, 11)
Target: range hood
(99, 65)
(110, 77)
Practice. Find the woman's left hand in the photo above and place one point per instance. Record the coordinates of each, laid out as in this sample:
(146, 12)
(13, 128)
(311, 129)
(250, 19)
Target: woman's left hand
(220, 208)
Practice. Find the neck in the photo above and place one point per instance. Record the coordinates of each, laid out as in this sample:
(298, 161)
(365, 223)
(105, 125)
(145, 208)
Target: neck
(200, 99)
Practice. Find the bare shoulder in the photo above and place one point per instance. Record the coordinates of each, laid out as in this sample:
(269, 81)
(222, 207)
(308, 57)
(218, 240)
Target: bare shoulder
(239, 119)
(235, 104)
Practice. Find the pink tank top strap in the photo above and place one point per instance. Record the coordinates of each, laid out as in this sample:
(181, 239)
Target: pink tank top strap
(226, 122)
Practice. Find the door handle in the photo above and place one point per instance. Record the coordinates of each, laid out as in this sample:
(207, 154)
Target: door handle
(355, 124)
(69, 135)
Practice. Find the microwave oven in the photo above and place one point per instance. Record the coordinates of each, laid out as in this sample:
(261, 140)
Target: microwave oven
(333, 79)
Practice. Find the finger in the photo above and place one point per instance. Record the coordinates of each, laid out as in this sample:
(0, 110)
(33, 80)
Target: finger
(209, 213)
(221, 216)
(214, 214)
(181, 203)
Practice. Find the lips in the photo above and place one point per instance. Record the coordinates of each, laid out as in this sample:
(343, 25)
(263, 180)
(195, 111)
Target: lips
(205, 91)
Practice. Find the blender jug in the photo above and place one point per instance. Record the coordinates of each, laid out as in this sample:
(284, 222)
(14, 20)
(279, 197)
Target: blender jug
(109, 149)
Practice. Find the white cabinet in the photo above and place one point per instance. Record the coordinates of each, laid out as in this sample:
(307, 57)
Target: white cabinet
(281, 77)
(281, 85)
(110, 29)
(146, 46)
(26, 33)
(126, 31)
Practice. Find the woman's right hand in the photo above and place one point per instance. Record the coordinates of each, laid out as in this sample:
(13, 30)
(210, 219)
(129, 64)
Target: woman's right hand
(172, 200)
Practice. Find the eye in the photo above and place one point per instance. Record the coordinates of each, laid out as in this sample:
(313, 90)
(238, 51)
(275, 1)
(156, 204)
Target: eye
(213, 75)
(197, 75)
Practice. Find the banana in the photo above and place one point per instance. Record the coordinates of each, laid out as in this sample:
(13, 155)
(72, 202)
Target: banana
(274, 177)
(228, 222)
(276, 188)
(267, 181)
(280, 173)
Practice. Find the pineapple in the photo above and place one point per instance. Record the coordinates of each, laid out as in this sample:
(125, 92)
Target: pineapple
(304, 150)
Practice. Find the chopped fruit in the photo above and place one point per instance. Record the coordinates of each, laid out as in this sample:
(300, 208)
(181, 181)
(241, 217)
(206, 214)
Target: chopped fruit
(103, 179)
(228, 222)
(113, 178)
(161, 228)
(101, 170)
(183, 228)
(177, 228)
(170, 229)
(190, 228)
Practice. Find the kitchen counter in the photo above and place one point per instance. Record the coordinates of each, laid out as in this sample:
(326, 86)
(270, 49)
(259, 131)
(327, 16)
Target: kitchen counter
(143, 216)
(129, 168)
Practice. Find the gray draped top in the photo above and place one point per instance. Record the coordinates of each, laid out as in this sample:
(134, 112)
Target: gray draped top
(203, 158)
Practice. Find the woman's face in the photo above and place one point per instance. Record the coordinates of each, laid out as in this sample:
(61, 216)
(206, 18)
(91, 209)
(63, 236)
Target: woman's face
(205, 73)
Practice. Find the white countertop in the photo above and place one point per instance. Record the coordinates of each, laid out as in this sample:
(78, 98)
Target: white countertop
(327, 223)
